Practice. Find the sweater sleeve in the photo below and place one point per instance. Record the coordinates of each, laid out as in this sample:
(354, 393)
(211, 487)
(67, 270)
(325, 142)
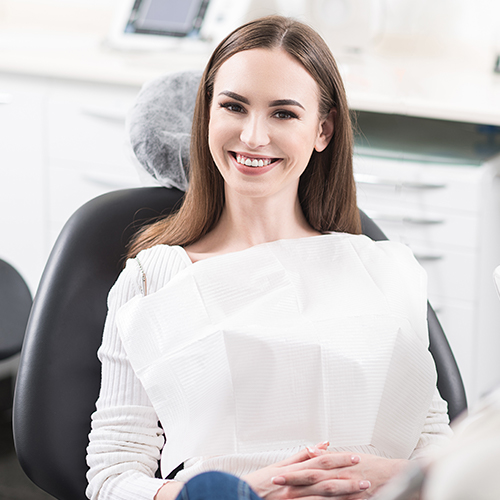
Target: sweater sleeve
(436, 432)
(126, 439)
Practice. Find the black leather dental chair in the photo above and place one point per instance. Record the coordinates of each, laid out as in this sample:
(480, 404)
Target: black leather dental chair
(15, 305)
(59, 374)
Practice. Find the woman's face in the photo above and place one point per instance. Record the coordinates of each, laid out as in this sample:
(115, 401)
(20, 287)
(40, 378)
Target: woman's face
(264, 122)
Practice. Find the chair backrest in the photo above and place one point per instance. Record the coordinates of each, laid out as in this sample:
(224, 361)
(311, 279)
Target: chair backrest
(59, 375)
(15, 305)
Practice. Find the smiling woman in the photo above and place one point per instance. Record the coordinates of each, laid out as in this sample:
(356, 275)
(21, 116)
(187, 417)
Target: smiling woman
(276, 353)
(282, 53)
(264, 125)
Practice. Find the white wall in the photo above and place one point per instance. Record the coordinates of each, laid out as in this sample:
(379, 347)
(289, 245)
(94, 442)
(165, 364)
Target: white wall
(471, 21)
(474, 22)
(425, 25)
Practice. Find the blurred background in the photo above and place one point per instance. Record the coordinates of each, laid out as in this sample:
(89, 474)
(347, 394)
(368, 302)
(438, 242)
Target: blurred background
(422, 80)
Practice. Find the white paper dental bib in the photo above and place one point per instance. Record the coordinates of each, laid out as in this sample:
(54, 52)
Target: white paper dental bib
(285, 344)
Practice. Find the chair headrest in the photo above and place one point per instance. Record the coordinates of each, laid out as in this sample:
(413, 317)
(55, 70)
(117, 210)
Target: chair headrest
(159, 127)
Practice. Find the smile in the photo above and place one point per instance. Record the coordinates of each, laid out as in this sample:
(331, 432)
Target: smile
(253, 162)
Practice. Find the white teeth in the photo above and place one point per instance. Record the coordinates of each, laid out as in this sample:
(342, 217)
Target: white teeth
(252, 163)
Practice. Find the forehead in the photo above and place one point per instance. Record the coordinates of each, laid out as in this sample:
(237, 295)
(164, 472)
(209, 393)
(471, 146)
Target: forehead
(270, 73)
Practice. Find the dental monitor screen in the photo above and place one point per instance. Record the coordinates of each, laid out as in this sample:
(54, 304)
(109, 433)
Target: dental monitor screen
(167, 17)
(174, 24)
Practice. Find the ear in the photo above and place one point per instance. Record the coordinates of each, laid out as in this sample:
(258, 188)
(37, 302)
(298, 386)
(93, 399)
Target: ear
(326, 131)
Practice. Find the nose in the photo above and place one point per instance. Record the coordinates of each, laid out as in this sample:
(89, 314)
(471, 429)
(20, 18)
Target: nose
(255, 132)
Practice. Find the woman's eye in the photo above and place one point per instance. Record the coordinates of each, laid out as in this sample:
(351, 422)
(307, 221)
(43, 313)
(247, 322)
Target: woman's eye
(232, 106)
(285, 115)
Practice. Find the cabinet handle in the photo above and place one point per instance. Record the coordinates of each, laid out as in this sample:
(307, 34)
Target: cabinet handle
(375, 180)
(403, 219)
(428, 257)
(109, 180)
(421, 221)
(5, 98)
(106, 113)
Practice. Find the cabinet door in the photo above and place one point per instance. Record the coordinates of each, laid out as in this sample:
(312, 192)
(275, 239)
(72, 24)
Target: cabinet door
(23, 175)
(87, 146)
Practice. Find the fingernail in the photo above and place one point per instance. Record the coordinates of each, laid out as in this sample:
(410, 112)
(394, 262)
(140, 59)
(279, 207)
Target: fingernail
(278, 480)
(364, 485)
(312, 449)
(325, 443)
(355, 459)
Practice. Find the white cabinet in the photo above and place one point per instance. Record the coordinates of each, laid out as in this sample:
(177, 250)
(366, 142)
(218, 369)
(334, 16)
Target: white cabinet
(62, 144)
(23, 170)
(447, 210)
(86, 145)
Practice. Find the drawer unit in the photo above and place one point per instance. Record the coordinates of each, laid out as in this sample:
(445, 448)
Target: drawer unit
(441, 211)
(425, 184)
(419, 223)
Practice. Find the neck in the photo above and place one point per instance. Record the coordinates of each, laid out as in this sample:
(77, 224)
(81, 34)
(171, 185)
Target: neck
(255, 221)
(247, 221)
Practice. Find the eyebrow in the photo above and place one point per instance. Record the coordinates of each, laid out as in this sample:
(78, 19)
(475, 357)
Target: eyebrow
(285, 102)
(272, 104)
(234, 95)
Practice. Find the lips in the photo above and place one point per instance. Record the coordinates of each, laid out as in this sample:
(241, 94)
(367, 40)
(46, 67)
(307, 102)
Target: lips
(254, 165)
(253, 161)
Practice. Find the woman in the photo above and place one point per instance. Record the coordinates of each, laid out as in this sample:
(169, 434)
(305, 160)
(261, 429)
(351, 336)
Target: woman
(256, 321)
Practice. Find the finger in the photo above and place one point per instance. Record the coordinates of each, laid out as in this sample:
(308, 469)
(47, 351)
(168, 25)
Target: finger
(325, 461)
(318, 449)
(302, 478)
(305, 454)
(323, 446)
(329, 461)
(297, 458)
(343, 488)
(310, 477)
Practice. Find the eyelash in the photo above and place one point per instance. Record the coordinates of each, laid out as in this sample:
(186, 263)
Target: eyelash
(230, 107)
(289, 114)
(237, 108)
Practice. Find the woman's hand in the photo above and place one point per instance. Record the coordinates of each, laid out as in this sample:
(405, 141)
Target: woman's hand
(322, 477)
(312, 473)
(169, 490)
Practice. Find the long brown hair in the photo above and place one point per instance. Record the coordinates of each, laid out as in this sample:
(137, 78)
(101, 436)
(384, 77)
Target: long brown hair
(327, 192)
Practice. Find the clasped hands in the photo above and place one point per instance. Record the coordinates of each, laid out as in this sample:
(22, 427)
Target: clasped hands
(315, 473)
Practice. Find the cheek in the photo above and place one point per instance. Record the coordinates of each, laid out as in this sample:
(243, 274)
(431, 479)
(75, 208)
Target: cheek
(300, 143)
(218, 134)
(213, 140)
